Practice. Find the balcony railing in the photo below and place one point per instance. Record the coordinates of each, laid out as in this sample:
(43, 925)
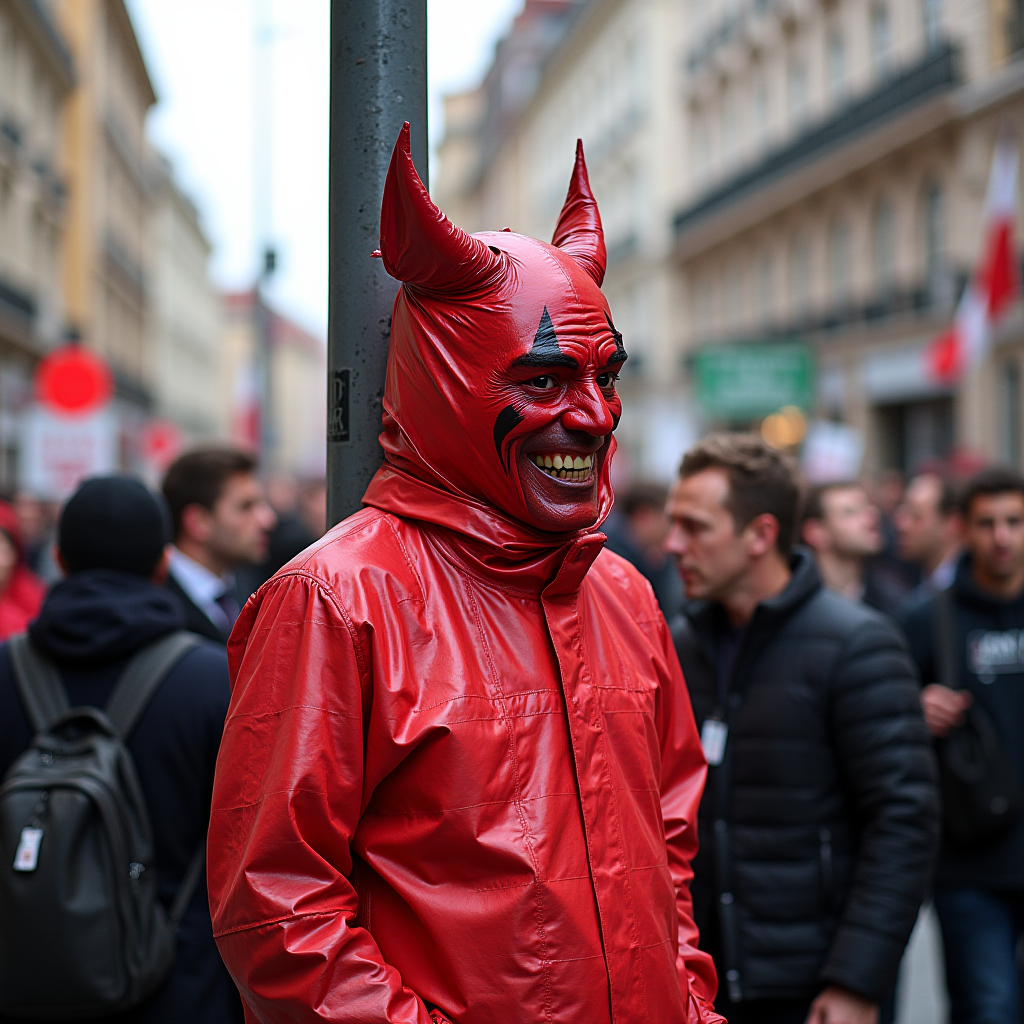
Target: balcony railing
(937, 72)
(918, 300)
(14, 300)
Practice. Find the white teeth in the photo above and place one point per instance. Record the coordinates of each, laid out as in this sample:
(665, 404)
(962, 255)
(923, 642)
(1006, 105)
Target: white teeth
(565, 467)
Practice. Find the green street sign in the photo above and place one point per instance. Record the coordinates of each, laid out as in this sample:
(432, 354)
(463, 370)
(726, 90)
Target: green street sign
(749, 380)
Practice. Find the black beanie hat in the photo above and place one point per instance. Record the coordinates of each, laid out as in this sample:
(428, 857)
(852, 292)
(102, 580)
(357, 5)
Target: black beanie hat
(113, 522)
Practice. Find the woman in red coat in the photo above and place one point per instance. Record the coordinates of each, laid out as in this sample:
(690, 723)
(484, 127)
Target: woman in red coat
(21, 593)
(460, 774)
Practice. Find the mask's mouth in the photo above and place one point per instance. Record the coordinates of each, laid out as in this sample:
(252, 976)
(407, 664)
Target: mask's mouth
(565, 465)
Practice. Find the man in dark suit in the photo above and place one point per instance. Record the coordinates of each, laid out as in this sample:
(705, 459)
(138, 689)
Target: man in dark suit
(221, 521)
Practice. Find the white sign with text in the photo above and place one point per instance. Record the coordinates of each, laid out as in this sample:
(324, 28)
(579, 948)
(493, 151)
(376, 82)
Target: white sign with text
(58, 452)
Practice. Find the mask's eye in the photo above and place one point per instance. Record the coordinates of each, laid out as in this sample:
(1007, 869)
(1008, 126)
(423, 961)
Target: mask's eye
(607, 379)
(545, 383)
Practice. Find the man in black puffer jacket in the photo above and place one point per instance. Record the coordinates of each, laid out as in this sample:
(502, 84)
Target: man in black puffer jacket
(819, 823)
(112, 538)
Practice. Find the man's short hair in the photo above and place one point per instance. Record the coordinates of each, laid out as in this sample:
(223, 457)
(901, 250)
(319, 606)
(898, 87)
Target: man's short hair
(994, 480)
(949, 497)
(198, 478)
(814, 500)
(761, 480)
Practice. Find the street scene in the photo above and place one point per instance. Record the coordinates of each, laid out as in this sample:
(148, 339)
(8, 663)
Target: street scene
(511, 510)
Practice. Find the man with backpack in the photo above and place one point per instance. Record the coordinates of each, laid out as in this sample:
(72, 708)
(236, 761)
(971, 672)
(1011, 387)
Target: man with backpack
(110, 722)
(968, 642)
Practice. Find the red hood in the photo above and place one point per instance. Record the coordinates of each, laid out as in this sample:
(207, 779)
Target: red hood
(469, 307)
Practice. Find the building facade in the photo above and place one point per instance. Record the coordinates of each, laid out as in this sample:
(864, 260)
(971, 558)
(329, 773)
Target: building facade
(97, 243)
(804, 178)
(105, 261)
(37, 73)
(184, 314)
(837, 164)
(293, 439)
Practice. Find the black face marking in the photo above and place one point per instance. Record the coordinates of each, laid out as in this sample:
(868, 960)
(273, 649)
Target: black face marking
(546, 362)
(544, 341)
(508, 419)
(620, 352)
(544, 352)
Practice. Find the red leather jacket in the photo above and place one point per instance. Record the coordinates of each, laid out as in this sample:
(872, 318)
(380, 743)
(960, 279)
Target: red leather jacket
(460, 773)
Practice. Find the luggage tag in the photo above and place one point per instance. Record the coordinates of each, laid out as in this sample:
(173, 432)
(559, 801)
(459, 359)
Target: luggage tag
(713, 735)
(26, 858)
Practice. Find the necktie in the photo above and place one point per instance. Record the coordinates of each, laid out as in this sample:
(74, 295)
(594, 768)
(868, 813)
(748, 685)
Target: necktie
(229, 606)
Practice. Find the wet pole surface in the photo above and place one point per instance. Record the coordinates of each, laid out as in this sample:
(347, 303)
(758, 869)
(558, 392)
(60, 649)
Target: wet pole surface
(378, 81)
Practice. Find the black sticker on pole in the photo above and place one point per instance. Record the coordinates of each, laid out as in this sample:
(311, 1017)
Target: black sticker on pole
(337, 409)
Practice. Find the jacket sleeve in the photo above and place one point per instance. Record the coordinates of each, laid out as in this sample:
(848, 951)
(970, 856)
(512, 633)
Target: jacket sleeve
(287, 796)
(683, 773)
(889, 776)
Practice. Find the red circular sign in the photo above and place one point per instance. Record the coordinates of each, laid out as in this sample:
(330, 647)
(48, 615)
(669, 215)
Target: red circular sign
(73, 380)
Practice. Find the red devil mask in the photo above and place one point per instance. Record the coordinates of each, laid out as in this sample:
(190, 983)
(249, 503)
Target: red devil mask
(501, 374)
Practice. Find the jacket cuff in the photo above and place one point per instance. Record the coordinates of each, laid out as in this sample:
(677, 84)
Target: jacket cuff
(864, 962)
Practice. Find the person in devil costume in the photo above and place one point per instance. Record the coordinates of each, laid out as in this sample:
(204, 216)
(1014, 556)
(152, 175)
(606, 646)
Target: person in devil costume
(460, 773)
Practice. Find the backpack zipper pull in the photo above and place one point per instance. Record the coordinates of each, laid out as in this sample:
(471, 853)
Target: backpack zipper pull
(26, 857)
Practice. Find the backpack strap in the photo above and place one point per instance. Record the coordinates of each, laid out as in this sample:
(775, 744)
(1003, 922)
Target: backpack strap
(39, 683)
(183, 896)
(944, 639)
(143, 674)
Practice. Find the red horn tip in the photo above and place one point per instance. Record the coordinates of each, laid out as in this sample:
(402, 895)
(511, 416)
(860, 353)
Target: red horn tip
(579, 232)
(418, 244)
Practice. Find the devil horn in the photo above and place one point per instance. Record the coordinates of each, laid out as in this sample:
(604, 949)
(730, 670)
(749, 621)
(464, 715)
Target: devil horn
(579, 232)
(418, 243)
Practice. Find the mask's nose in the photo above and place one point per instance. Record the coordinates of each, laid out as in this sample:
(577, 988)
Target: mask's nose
(588, 411)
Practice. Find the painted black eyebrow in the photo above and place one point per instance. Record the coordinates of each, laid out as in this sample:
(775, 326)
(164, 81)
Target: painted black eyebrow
(546, 360)
(617, 359)
(620, 351)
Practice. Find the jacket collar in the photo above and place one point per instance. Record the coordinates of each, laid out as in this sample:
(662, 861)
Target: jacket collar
(969, 592)
(483, 542)
(768, 615)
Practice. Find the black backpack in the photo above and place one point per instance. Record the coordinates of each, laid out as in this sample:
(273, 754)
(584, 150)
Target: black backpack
(82, 933)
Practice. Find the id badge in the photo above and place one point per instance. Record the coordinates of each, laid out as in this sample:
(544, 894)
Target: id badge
(26, 857)
(713, 735)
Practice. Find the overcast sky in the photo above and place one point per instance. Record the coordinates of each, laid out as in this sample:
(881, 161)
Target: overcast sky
(202, 56)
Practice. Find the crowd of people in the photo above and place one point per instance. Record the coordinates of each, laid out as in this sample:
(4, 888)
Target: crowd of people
(814, 736)
(806, 621)
(827, 797)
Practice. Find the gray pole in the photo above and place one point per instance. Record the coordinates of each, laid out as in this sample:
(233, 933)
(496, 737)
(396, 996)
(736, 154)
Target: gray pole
(378, 80)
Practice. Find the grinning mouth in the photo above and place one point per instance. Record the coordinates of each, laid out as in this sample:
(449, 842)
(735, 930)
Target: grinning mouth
(565, 467)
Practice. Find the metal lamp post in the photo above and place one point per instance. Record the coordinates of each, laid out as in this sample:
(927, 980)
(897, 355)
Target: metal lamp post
(378, 80)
